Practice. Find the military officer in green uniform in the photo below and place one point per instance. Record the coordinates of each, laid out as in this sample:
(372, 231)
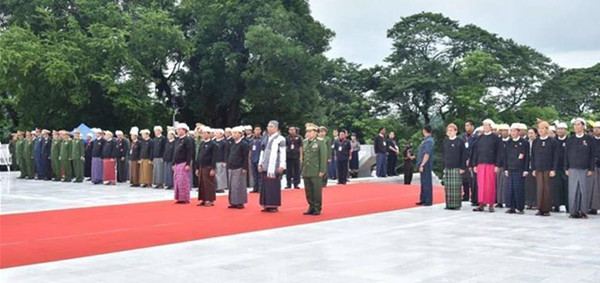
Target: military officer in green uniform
(77, 155)
(18, 158)
(315, 153)
(55, 154)
(327, 140)
(28, 155)
(65, 156)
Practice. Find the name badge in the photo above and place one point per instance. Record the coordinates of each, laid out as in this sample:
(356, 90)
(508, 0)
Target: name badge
(466, 145)
(292, 146)
(339, 148)
(253, 147)
(384, 143)
(521, 156)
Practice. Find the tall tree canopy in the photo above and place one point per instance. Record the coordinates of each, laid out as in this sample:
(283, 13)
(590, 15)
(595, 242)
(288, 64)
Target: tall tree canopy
(438, 68)
(118, 63)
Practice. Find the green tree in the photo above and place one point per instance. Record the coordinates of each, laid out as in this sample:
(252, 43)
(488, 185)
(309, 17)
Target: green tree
(252, 60)
(574, 92)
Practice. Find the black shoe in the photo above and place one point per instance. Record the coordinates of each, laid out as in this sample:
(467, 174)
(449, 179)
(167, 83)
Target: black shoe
(474, 204)
(510, 211)
(420, 203)
(499, 205)
(202, 203)
(556, 209)
(220, 191)
(168, 188)
(254, 192)
(593, 212)
(296, 188)
(308, 212)
(232, 206)
(520, 212)
(315, 213)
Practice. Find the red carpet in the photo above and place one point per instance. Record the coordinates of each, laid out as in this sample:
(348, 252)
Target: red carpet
(38, 237)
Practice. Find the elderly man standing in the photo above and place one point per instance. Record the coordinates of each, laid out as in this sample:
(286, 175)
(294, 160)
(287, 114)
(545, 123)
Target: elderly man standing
(146, 157)
(579, 166)
(97, 165)
(454, 166)
(222, 152)
(134, 158)
(237, 169)
(595, 188)
(271, 165)
(182, 159)
(486, 161)
(122, 156)
(560, 183)
(159, 144)
(544, 163)
(109, 156)
(205, 169)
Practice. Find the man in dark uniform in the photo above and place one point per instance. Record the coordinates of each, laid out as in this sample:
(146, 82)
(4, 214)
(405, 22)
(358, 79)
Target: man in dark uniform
(469, 184)
(37, 154)
(560, 183)
(54, 155)
(343, 154)
(293, 158)
(255, 149)
(46, 169)
(425, 163)
(122, 156)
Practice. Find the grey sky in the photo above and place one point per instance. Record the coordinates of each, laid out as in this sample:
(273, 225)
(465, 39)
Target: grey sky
(566, 31)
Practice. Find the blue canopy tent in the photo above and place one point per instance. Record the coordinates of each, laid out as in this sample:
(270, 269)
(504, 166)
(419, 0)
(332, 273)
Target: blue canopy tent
(84, 130)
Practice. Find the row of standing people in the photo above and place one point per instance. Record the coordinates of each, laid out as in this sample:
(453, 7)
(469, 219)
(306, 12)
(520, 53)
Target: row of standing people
(518, 167)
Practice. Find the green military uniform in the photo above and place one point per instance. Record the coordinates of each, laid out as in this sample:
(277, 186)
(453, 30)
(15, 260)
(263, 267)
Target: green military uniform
(11, 151)
(77, 153)
(54, 158)
(65, 159)
(328, 143)
(19, 147)
(314, 161)
(28, 158)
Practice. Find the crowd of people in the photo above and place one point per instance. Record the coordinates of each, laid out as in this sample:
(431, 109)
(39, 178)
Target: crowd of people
(213, 160)
(492, 166)
(496, 165)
